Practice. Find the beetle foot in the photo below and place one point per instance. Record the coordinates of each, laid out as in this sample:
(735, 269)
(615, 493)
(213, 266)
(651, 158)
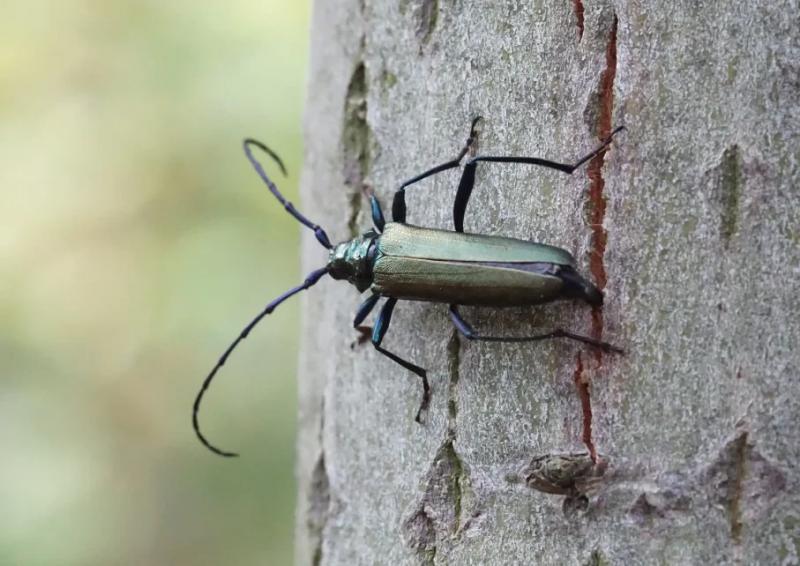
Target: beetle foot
(426, 399)
(364, 336)
(610, 348)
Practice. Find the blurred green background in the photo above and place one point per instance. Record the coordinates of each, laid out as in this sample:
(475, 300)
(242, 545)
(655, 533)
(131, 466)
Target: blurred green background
(135, 243)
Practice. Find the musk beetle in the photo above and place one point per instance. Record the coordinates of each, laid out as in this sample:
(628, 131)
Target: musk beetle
(396, 260)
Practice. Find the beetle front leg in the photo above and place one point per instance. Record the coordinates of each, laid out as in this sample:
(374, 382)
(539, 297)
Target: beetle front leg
(365, 332)
(399, 202)
(378, 332)
(466, 330)
(365, 308)
(468, 176)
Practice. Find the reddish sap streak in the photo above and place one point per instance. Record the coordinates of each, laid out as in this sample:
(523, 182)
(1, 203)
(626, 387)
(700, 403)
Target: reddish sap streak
(586, 406)
(599, 239)
(597, 184)
(579, 14)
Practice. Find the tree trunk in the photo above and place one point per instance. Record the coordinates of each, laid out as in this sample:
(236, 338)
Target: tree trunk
(690, 224)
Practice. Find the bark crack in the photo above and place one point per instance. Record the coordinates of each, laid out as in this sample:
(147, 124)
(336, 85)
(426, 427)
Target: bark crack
(597, 199)
(427, 17)
(454, 366)
(439, 515)
(319, 500)
(356, 144)
(454, 362)
(599, 238)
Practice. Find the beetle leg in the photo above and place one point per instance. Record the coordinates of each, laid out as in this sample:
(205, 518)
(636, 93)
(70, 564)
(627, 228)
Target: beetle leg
(375, 208)
(464, 328)
(365, 332)
(365, 308)
(399, 202)
(378, 332)
(468, 176)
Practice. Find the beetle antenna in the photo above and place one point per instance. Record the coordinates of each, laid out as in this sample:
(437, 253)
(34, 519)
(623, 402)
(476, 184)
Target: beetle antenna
(322, 237)
(312, 278)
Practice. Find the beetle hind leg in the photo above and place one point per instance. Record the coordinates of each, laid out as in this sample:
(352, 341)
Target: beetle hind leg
(467, 331)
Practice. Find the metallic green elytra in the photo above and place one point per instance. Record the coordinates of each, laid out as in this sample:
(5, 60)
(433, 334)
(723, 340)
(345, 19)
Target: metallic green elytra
(397, 261)
(425, 264)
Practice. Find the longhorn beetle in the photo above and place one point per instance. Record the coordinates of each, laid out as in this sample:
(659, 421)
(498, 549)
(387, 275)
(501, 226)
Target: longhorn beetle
(395, 260)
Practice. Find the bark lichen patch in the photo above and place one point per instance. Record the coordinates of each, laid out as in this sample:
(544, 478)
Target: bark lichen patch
(420, 536)
(596, 559)
(427, 15)
(355, 211)
(356, 143)
(388, 80)
(438, 517)
(743, 482)
(726, 480)
(730, 191)
(454, 361)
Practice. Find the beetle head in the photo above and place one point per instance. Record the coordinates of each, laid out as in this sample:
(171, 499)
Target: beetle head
(352, 260)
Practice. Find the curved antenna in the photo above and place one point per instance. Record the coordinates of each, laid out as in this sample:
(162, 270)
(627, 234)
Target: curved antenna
(322, 237)
(312, 278)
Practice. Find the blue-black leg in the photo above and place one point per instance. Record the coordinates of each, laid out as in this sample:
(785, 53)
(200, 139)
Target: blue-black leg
(365, 308)
(399, 203)
(378, 332)
(468, 176)
(467, 331)
(377, 212)
(365, 332)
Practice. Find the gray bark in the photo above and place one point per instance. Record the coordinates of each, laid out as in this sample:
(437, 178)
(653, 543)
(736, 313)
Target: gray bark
(698, 206)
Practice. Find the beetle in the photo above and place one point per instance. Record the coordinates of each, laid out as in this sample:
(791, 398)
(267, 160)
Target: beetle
(398, 261)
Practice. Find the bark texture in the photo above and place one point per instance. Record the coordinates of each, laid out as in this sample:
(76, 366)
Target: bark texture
(690, 223)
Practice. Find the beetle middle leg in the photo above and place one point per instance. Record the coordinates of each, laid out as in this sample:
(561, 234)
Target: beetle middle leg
(399, 202)
(468, 176)
(464, 328)
(378, 332)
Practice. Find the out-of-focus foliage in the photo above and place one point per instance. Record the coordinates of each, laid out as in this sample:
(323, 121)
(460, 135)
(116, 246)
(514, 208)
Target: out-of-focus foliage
(135, 242)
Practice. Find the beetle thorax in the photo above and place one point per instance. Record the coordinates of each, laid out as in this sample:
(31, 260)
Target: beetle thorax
(352, 260)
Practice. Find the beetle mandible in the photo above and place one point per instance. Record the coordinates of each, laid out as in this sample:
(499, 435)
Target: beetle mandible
(396, 260)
